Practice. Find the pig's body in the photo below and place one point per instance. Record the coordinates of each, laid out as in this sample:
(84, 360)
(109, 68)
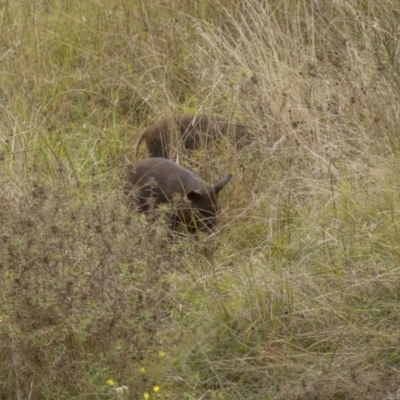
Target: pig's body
(189, 132)
(194, 203)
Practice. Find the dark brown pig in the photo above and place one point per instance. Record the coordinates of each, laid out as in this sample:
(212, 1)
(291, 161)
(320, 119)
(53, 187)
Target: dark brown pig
(189, 132)
(193, 203)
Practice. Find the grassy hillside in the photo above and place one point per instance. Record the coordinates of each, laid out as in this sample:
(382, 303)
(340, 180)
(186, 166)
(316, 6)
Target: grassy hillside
(295, 296)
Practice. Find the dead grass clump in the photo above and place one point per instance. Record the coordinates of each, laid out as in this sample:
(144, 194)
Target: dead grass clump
(73, 289)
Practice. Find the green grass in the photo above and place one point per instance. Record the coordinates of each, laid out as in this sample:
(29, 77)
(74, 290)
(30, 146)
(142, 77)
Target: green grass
(295, 296)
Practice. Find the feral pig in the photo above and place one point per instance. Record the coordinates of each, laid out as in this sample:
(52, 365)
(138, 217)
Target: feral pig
(189, 132)
(193, 203)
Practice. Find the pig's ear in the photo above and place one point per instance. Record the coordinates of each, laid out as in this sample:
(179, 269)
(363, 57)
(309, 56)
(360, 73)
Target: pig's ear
(194, 195)
(218, 186)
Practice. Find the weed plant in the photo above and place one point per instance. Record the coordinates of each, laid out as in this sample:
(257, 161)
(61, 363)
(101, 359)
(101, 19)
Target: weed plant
(295, 295)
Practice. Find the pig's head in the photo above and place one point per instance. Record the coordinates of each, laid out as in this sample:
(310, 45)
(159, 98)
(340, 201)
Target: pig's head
(200, 208)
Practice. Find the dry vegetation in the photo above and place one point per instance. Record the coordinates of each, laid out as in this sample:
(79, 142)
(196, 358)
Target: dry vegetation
(296, 294)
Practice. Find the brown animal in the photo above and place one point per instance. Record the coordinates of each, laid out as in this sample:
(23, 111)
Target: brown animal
(194, 203)
(189, 132)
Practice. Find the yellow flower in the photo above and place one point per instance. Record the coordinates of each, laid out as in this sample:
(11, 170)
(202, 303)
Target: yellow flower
(146, 395)
(156, 388)
(161, 353)
(110, 382)
(142, 370)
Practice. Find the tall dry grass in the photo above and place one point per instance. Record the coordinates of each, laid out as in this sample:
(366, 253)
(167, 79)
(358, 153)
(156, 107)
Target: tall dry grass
(295, 295)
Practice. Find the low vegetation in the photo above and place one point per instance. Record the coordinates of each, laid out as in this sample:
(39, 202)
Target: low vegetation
(294, 296)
